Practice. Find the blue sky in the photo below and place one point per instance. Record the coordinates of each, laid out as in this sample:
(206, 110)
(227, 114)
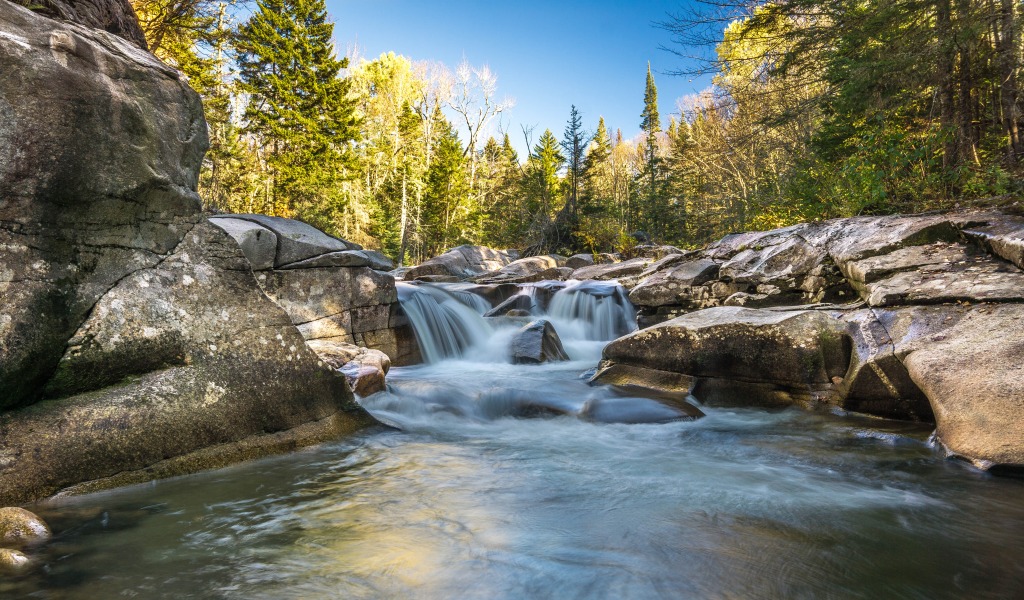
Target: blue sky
(547, 55)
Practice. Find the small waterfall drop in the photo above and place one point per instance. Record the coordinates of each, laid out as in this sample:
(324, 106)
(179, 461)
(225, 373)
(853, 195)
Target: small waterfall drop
(445, 325)
(603, 307)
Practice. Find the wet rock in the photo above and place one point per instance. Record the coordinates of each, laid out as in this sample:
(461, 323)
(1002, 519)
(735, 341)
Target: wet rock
(20, 528)
(460, 263)
(537, 342)
(102, 146)
(364, 368)
(13, 561)
(518, 312)
(523, 304)
(791, 355)
(636, 411)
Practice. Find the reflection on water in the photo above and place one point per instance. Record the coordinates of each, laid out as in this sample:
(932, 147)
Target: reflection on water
(740, 504)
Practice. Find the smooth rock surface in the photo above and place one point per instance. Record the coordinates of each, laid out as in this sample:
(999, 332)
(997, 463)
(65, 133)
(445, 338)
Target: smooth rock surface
(13, 561)
(460, 263)
(20, 528)
(537, 342)
(296, 241)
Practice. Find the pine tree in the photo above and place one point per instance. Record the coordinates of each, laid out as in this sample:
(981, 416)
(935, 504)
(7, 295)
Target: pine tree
(446, 205)
(651, 125)
(574, 142)
(299, 108)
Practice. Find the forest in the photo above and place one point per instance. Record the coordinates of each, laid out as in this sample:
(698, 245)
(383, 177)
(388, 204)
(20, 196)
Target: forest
(818, 109)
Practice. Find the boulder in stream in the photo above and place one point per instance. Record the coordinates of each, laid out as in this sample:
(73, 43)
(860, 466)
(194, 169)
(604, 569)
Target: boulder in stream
(537, 342)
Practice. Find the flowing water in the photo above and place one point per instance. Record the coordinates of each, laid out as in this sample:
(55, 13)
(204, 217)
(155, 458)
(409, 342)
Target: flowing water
(471, 500)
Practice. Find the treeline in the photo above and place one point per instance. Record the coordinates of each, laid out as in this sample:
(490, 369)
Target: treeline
(818, 108)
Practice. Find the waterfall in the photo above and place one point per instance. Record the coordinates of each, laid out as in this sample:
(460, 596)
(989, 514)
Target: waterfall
(445, 326)
(603, 307)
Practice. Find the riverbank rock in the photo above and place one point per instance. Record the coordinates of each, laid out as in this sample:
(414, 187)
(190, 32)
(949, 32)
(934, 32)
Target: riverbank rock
(13, 562)
(101, 151)
(461, 263)
(771, 358)
(135, 342)
(20, 528)
(537, 342)
(530, 269)
(364, 368)
(906, 316)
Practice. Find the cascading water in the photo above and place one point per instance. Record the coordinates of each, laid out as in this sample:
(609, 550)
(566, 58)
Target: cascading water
(470, 375)
(603, 307)
(445, 326)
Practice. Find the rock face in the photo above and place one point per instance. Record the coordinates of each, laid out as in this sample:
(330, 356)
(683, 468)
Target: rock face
(332, 290)
(135, 342)
(184, 366)
(460, 263)
(536, 343)
(113, 16)
(102, 145)
(933, 331)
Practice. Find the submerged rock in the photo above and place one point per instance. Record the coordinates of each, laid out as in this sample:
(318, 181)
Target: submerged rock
(537, 342)
(20, 528)
(13, 561)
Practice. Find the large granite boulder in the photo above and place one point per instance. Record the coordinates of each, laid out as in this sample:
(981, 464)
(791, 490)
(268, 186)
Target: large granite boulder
(182, 366)
(332, 290)
(102, 146)
(740, 356)
(135, 342)
(462, 262)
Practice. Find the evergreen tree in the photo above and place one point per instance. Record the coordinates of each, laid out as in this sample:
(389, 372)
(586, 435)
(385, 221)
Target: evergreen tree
(650, 210)
(446, 205)
(574, 142)
(299, 108)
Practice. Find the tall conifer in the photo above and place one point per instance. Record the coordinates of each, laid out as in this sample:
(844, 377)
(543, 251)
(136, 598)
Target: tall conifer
(299, 107)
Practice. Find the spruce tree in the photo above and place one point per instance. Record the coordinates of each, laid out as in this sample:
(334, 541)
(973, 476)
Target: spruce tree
(299, 108)
(651, 125)
(574, 142)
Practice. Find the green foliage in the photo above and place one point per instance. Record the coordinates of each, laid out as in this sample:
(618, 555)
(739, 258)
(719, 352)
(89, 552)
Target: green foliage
(300, 105)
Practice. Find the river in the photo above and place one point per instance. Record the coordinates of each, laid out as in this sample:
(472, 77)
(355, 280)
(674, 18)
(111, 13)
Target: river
(612, 498)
